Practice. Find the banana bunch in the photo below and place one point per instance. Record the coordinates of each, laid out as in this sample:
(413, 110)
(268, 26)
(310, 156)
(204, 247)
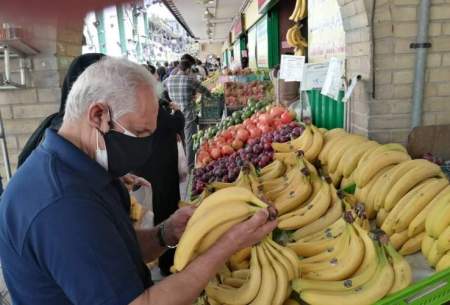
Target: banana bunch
(213, 217)
(436, 241)
(295, 39)
(310, 143)
(266, 281)
(300, 11)
(311, 210)
(289, 191)
(355, 278)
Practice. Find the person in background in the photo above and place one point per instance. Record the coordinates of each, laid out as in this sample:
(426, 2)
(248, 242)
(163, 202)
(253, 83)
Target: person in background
(151, 69)
(162, 170)
(182, 88)
(187, 58)
(161, 72)
(201, 69)
(54, 121)
(65, 234)
(172, 66)
(166, 64)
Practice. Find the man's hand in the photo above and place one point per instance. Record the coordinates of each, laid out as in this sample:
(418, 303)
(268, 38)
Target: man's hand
(174, 106)
(252, 231)
(133, 182)
(175, 225)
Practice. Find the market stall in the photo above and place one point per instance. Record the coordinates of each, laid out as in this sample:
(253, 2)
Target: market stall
(358, 221)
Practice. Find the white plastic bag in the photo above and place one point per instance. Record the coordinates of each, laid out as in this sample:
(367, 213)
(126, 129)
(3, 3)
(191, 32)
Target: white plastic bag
(144, 196)
(183, 169)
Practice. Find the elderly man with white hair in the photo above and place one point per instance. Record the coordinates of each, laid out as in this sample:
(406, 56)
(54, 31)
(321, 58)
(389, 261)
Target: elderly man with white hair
(65, 234)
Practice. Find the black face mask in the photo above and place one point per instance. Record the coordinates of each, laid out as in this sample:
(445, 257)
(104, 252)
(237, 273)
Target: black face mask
(126, 153)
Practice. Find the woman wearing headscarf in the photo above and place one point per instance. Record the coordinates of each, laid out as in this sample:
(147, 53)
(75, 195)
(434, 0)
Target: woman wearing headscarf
(162, 170)
(54, 121)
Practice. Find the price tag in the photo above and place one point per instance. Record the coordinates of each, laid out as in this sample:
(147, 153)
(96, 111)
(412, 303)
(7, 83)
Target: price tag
(314, 76)
(333, 80)
(291, 68)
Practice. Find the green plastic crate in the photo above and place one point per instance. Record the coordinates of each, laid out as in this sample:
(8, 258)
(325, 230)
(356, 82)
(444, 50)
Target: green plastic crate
(326, 112)
(434, 290)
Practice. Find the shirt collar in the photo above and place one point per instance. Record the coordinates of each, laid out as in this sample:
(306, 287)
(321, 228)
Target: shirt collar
(77, 160)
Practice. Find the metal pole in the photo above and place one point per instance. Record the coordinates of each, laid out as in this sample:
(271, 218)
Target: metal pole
(7, 66)
(421, 47)
(22, 71)
(4, 149)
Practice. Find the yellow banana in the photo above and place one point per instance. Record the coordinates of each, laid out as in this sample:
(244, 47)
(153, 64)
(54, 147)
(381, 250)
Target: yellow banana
(331, 231)
(444, 263)
(224, 196)
(310, 263)
(295, 194)
(357, 280)
(417, 225)
(194, 234)
(310, 248)
(343, 265)
(379, 162)
(371, 153)
(419, 202)
(278, 170)
(291, 274)
(350, 159)
(337, 142)
(287, 253)
(289, 37)
(443, 242)
(434, 255)
(364, 194)
(402, 271)
(268, 280)
(331, 216)
(402, 204)
(439, 218)
(296, 10)
(291, 302)
(313, 151)
(282, 278)
(243, 274)
(240, 256)
(389, 179)
(308, 213)
(408, 181)
(302, 11)
(330, 138)
(347, 144)
(427, 243)
(381, 217)
(413, 245)
(243, 295)
(303, 142)
(398, 239)
(212, 236)
(233, 282)
(375, 289)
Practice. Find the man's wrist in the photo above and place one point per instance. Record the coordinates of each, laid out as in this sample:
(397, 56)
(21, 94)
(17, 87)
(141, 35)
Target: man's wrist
(169, 239)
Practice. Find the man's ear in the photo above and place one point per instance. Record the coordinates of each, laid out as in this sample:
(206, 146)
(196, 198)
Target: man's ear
(99, 116)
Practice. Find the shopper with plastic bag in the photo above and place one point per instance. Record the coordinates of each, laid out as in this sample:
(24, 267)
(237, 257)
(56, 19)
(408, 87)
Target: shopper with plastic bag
(162, 170)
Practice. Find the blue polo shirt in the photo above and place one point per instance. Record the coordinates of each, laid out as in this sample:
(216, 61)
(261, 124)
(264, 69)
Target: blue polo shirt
(65, 234)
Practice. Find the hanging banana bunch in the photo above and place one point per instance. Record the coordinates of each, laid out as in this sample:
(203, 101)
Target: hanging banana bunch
(296, 40)
(300, 11)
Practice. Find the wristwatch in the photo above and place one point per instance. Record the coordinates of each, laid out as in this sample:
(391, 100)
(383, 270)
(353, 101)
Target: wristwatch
(161, 239)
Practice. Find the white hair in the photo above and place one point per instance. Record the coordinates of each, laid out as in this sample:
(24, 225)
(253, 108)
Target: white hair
(111, 80)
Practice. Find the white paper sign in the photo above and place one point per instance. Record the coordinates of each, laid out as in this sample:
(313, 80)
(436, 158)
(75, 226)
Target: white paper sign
(291, 68)
(314, 76)
(333, 81)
